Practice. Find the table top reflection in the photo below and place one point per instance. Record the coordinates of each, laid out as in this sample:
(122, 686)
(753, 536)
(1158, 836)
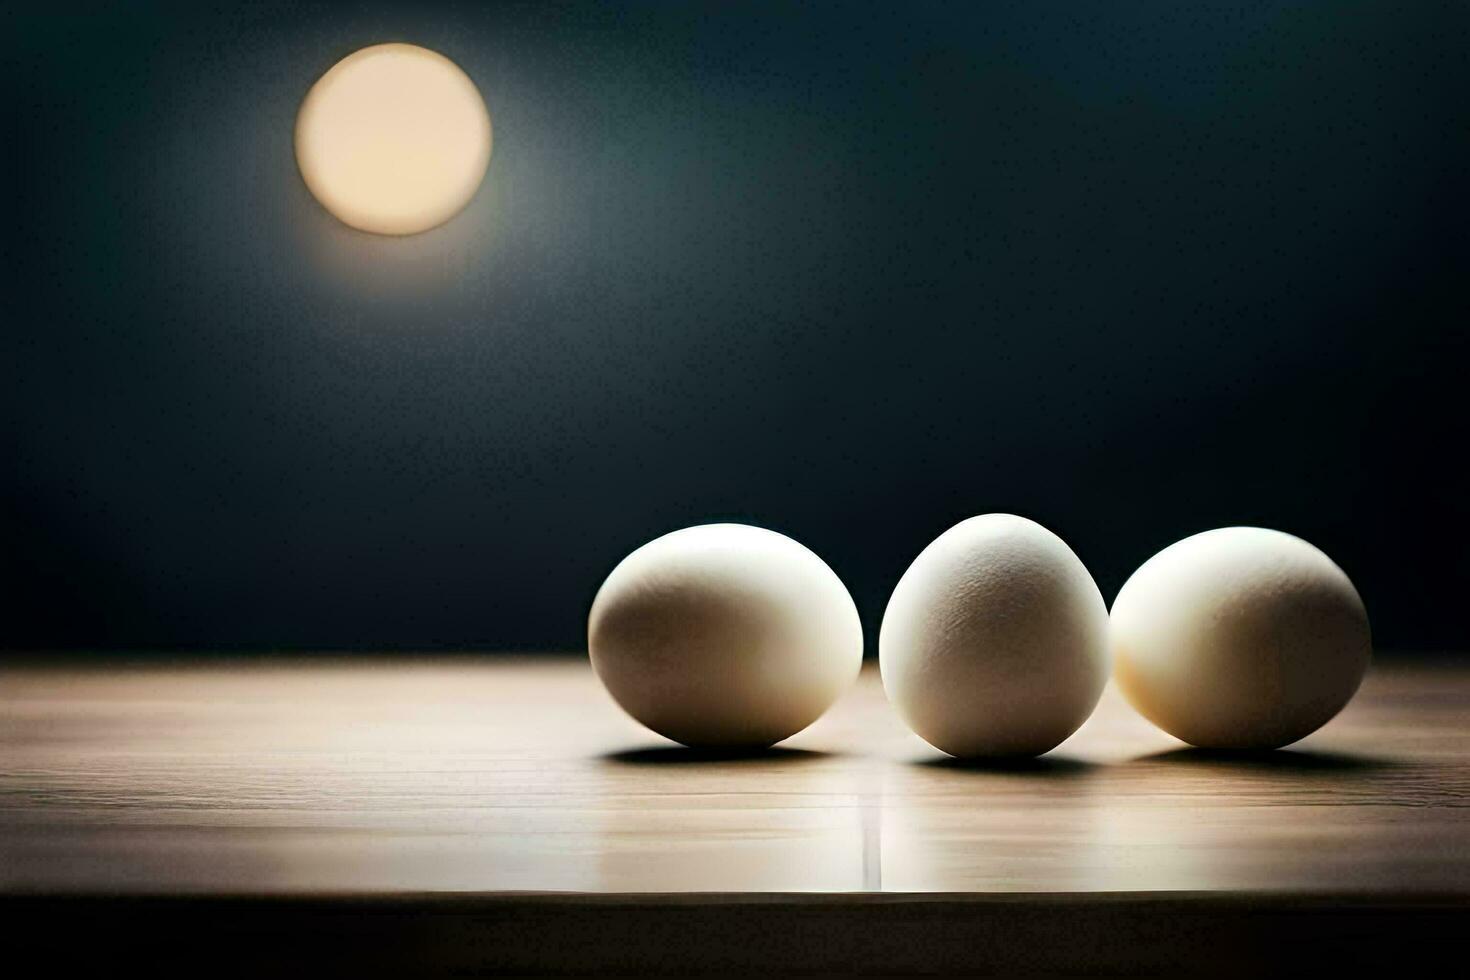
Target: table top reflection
(501, 774)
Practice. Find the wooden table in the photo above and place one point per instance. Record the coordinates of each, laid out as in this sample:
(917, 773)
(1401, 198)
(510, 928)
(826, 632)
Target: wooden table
(484, 814)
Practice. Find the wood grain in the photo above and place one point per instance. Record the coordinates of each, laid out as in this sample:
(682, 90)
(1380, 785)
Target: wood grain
(504, 775)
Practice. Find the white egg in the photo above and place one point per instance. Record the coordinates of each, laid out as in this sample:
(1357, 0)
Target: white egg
(724, 635)
(1239, 638)
(994, 642)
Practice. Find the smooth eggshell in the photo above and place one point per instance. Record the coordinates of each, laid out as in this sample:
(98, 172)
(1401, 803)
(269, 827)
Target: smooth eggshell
(724, 635)
(994, 642)
(1239, 638)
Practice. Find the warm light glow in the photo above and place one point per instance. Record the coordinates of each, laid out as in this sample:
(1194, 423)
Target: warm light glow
(394, 139)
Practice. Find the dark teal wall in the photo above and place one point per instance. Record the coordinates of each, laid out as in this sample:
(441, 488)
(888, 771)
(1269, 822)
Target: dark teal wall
(850, 271)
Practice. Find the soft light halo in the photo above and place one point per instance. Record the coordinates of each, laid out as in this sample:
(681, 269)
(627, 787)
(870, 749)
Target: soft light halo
(394, 139)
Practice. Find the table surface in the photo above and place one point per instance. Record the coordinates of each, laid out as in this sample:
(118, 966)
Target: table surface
(497, 774)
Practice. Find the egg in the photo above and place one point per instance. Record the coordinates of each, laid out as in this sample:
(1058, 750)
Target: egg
(994, 642)
(724, 635)
(1239, 638)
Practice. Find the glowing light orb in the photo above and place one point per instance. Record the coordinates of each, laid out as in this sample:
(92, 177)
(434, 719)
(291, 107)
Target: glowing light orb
(393, 139)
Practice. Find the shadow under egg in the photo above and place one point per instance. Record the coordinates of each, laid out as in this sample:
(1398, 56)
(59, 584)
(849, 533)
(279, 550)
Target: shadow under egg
(660, 755)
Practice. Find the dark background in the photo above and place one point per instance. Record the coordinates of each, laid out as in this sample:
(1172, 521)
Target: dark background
(853, 272)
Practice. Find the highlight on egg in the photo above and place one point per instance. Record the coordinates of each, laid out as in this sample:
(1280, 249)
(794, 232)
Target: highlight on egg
(724, 635)
(1240, 638)
(994, 642)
